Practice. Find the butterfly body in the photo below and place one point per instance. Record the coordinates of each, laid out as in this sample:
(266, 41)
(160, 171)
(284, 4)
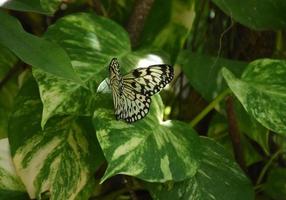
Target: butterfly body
(132, 92)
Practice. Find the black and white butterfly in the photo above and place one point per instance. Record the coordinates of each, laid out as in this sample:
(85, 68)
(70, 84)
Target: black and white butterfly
(132, 92)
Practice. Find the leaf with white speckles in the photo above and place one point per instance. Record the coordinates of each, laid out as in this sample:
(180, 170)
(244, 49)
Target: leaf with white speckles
(11, 186)
(262, 92)
(218, 178)
(61, 158)
(149, 149)
(90, 42)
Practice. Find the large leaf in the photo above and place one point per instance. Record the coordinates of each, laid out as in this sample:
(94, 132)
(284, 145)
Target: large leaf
(8, 90)
(218, 177)
(261, 90)
(35, 51)
(168, 25)
(60, 159)
(259, 15)
(39, 6)
(150, 149)
(90, 42)
(203, 72)
(11, 186)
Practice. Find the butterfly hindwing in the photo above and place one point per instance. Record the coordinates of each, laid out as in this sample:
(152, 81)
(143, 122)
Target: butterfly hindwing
(132, 92)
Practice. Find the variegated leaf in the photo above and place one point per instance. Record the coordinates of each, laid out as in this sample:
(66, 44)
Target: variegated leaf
(261, 90)
(11, 186)
(218, 178)
(91, 42)
(150, 149)
(61, 158)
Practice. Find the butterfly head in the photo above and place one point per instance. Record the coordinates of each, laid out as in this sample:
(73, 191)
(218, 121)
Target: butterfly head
(114, 66)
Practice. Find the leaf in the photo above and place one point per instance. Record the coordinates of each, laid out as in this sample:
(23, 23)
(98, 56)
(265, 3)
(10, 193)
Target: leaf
(250, 127)
(258, 15)
(149, 149)
(47, 7)
(90, 42)
(218, 177)
(261, 90)
(35, 51)
(8, 90)
(11, 186)
(203, 72)
(168, 25)
(60, 159)
(275, 184)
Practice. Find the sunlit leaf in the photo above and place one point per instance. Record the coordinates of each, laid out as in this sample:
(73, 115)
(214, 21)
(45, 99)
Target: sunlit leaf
(150, 149)
(60, 159)
(90, 42)
(261, 90)
(11, 186)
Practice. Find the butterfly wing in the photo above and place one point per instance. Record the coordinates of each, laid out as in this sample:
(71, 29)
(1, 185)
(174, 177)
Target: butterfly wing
(139, 86)
(132, 92)
(150, 80)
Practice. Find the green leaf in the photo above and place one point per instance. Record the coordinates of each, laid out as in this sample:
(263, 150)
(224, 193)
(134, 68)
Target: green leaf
(39, 6)
(168, 24)
(275, 184)
(8, 90)
(261, 91)
(218, 177)
(259, 15)
(11, 186)
(60, 159)
(203, 72)
(250, 127)
(90, 42)
(35, 51)
(150, 149)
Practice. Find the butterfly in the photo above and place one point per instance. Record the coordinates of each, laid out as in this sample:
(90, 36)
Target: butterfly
(132, 92)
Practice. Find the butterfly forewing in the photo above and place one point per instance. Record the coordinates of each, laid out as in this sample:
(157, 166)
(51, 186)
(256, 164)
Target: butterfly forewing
(131, 93)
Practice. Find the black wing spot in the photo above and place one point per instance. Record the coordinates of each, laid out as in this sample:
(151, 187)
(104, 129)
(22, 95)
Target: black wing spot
(133, 84)
(136, 73)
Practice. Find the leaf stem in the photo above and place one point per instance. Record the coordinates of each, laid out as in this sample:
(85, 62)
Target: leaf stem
(234, 133)
(211, 106)
(268, 164)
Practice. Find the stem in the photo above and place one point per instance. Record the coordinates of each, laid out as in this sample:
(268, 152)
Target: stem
(137, 19)
(234, 133)
(211, 106)
(265, 168)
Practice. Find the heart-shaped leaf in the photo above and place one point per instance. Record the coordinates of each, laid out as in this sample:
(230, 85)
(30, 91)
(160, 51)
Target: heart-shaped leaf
(261, 90)
(218, 177)
(60, 159)
(90, 42)
(150, 149)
